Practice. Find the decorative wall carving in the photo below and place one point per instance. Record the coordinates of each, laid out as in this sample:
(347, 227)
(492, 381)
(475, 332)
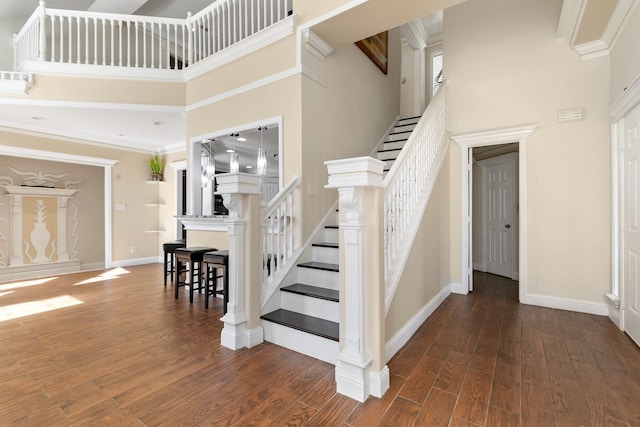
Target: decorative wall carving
(39, 221)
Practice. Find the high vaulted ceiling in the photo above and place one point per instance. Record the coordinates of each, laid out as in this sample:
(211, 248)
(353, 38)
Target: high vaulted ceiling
(587, 25)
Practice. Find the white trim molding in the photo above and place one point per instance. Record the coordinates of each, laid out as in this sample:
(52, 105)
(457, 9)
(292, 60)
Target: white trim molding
(627, 101)
(406, 332)
(570, 18)
(615, 27)
(570, 304)
(315, 45)
(519, 134)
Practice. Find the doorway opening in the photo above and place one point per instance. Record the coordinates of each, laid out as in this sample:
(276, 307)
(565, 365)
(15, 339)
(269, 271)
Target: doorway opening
(495, 213)
(467, 142)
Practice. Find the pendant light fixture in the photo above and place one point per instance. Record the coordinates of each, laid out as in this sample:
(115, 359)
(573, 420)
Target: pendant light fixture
(207, 162)
(234, 164)
(262, 156)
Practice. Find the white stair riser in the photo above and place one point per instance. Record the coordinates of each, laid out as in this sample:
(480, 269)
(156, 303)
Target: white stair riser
(388, 164)
(328, 255)
(393, 145)
(401, 127)
(315, 277)
(331, 235)
(397, 136)
(302, 342)
(324, 309)
(386, 155)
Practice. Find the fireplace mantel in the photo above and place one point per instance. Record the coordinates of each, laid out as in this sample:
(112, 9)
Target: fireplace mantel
(23, 190)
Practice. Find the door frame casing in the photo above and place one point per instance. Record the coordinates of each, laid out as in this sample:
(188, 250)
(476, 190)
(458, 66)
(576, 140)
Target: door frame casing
(466, 142)
(511, 159)
(629, 100)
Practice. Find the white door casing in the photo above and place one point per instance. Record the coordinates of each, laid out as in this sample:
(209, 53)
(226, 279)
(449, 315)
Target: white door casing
(631, 225)
(499, 214)
(519, 134)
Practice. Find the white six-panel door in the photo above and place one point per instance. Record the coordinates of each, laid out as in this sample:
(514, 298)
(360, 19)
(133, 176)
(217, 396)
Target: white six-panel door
(631, 233)
(499, 213)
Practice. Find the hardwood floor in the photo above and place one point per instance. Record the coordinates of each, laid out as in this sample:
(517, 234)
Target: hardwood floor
(119, 350)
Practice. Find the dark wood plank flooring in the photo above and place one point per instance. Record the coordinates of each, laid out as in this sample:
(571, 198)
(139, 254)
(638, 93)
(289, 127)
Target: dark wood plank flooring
(117, 349)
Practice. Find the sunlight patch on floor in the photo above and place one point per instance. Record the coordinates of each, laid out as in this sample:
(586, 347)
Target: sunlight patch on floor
(25, 283)
(34, 307)
(107, 275)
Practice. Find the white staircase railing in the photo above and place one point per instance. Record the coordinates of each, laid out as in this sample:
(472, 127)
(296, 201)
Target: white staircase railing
(88, 38)
(279, 241)
(407, 188)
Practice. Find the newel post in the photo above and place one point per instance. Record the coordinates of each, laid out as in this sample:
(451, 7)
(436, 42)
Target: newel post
(190, 29)
(360, 367)
(42, 32)
(241, 196)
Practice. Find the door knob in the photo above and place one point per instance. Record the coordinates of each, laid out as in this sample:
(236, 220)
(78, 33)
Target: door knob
(507, 226)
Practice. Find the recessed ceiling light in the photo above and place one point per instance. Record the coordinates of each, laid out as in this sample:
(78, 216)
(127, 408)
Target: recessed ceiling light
(231, 151)
(38, 118)
(122, 134)
(249, 167)
(241, 139)
(158, 123)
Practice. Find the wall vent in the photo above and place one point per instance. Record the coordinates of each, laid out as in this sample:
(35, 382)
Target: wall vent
(570, 115)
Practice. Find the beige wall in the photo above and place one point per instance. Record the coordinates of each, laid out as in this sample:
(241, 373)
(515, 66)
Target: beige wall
(89, 201)
(507, 68)
(348, 105)
(625, 61)
(427, 270)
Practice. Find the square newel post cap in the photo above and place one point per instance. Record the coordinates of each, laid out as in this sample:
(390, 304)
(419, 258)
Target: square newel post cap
(238, 183)
(355, 172)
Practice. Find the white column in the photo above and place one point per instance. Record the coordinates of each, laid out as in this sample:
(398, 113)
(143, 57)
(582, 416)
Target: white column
(16, 231)
(63, 253)
(241, 194)
(360, 368)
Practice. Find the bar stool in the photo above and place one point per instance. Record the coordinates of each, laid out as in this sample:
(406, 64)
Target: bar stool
(191, 258)
(212, 262)
(169, 249)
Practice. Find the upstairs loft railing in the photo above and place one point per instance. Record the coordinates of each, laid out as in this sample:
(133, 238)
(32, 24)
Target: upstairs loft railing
(87, 38)
(279, 242)
(407, 188)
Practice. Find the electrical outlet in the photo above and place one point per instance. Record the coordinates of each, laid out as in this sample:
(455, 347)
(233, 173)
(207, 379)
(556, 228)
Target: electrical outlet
(120, 207)
(133, 249)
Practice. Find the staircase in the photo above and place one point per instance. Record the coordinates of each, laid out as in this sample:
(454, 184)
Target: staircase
(308, 318)
(307, 321)
(395, 141)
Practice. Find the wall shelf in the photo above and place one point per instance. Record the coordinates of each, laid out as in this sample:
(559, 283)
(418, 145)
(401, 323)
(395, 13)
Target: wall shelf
(154, 182)
(155, 204)
(155, 231)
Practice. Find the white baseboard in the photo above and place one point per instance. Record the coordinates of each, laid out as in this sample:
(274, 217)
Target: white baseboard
(406, 332)
(92, 266)
(137, 261)
(459, 288)
(581, 306)
(379, 382)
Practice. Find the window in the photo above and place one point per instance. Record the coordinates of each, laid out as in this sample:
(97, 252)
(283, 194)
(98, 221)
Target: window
(436, 72)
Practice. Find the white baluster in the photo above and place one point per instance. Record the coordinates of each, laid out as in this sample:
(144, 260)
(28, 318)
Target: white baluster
(190, 36)
(86, 40)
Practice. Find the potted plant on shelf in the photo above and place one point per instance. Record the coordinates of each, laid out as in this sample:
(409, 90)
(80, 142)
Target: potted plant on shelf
(156, 164)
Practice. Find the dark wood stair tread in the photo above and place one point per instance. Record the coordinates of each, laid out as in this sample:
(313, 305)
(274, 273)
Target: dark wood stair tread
(326, 245)
(389, 149)
(313, 291)
(320, 266)
(302, 322)
(332, 226)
